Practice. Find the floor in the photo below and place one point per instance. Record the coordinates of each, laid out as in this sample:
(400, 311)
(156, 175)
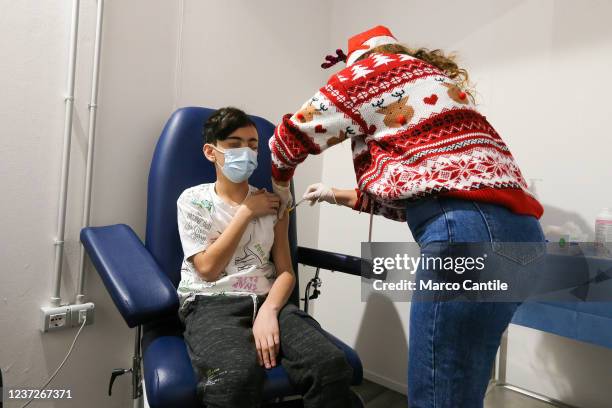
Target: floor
(377, 396)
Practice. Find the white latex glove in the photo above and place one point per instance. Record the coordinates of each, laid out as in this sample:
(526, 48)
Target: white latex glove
(319, 192)
(286, 199)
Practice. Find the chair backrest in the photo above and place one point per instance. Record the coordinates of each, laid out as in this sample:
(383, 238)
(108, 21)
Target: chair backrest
(178, 163)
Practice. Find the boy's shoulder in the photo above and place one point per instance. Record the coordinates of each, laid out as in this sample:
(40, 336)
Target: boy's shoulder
(197, 192)
(253, 188)
(202, 192)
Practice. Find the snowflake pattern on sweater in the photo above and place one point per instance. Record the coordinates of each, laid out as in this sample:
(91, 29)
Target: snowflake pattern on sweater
(413, 133)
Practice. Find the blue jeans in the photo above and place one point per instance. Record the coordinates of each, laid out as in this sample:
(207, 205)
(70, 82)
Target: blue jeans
(453, 344)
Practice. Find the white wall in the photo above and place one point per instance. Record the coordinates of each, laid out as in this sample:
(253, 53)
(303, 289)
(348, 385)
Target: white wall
(136, 97)
(156, 56)
(538, 66)
(264, 57)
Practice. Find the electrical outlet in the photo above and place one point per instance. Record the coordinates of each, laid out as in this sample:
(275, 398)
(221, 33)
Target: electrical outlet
(55, 318)
(80, 312)
(61, 317)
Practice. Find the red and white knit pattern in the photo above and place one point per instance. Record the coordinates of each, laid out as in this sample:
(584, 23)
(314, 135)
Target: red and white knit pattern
(413, 133)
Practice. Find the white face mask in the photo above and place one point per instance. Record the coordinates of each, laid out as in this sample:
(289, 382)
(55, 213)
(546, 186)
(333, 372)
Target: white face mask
(239, 163)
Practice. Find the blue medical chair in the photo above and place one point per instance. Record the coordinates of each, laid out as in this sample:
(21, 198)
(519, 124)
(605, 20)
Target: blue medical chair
(142, 279)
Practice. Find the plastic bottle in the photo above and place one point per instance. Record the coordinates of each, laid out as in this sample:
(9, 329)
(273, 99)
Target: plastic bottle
(603, 229)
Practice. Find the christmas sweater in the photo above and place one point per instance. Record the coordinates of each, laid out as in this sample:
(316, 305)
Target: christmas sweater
(414, 133)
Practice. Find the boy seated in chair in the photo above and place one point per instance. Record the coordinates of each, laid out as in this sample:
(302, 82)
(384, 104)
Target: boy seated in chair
(234, 297)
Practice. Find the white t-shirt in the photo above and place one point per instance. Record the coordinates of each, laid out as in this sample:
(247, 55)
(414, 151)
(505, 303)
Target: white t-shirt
(202, 216)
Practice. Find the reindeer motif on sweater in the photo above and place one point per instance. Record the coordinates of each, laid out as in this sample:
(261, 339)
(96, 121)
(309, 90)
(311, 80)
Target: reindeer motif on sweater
(414, 133)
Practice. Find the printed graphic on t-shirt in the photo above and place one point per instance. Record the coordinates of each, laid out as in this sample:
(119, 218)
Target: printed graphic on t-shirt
(204, 204)
(248, 257)
(202, 216)
(245, 283)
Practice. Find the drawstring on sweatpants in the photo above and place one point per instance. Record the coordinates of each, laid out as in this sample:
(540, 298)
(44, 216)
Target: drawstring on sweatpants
(254, 297)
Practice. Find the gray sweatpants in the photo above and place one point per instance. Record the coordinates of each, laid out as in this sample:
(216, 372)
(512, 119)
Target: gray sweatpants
(219, 337)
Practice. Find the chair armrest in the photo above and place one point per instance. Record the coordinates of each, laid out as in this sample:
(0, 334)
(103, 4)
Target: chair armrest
(140, 289)
(330, 260)
(168, 374)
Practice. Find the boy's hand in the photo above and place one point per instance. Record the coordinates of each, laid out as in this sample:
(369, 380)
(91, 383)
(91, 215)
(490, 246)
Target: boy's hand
(267, 337)
(261, 203)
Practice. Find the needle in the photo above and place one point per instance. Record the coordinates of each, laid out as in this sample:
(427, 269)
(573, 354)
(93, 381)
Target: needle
(296, 204)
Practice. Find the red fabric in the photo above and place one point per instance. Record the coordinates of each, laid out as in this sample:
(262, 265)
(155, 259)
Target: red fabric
(359, 202)
(282, 174)
(297, 146)
(356, 42)
(516, 200)
(444, 144)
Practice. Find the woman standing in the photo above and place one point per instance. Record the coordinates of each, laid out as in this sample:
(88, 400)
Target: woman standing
(424, 155)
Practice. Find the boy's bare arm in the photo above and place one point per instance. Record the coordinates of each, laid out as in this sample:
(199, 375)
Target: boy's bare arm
(211, 263)
(285, 277)
(265, 328)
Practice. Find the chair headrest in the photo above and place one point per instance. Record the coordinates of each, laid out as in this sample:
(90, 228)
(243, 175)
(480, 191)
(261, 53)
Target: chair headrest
(178, 163)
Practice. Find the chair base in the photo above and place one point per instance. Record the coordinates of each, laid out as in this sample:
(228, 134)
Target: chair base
(533, 395)
(498, 377)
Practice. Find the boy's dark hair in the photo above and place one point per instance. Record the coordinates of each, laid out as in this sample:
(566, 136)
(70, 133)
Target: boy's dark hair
(223, 122)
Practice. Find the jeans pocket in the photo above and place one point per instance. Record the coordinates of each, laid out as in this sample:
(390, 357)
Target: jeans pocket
(522, 253)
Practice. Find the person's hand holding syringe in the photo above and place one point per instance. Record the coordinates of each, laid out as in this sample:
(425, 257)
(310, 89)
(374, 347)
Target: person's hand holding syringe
(319, 192)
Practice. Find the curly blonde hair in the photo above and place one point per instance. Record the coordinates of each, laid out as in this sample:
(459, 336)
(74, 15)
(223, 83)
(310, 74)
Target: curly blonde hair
(437, 58)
